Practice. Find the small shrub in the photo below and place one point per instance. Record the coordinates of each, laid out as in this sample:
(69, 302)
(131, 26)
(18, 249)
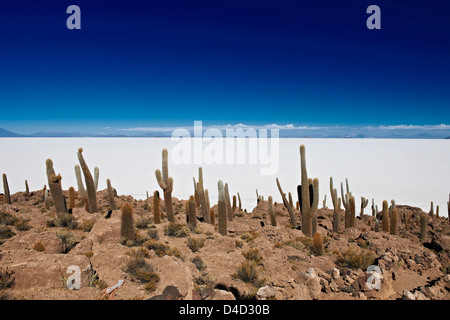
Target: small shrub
(195, 244)
(6, 278)
(198, 263)
(140, 270)
(239, 244)
(153, 233)
(249, 272)
(356, 260)
(22, 225)
(6, 232)
(161, 249)
(143, 223)
(39, 247)
(205, 280)
(176, 230)
(253, 255)
(7, 219)
(63, 220)
(87, 225)
(68, 239)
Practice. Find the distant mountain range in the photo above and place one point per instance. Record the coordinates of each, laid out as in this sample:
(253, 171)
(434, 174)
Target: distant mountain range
(285, 131)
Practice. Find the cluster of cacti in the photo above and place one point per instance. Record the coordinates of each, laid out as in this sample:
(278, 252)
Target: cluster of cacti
(54, 184)
(91, 193)
(6, 191)
(308, 193)
(222, 211)
(348, 201)
(166, 183)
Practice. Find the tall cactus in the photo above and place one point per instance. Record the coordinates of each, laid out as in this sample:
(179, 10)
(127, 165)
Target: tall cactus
(423, 226)
(287, 205)
(202, 197)
(352, 212)
(46, 200)
(394, 222)
(27, 189)
(96, 177)
(127, 230)
(346, 203)
(364, 203)
(54, 183)
(308, 207)
(90, 186)
(156, 209)
(6, 190)
(240, 203)
(80, 184)
(228, 203)
(222, 211)
(192, 212)
(166, 183)
(112, 202)
(335, 212)
(273, 219)
(71, 199)
(386, 223)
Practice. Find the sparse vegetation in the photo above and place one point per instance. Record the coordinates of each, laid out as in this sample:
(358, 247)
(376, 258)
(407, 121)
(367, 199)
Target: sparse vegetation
(176, 230)
(6, 278)
(195, 244)
(356, 259)
(68, 239)
(140, 270)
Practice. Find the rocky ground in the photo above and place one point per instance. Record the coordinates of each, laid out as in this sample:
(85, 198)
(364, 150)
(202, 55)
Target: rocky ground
(255, 261)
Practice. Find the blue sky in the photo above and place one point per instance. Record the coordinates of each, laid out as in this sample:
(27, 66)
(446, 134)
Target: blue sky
(168, 63)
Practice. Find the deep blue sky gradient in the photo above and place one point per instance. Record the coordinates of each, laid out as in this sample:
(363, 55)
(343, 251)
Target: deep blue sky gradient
(157, 63)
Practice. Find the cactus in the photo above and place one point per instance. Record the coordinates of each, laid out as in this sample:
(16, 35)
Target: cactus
(222, 211)
(90, 186)
(423, 226)
(374, 213)
(112, 203)
(228, 203)
(212, 216)
(71, 199)
(352, 217)
(432, 210)
(54, 183)
(394, 221)
(324, 203)
(377, 225)
(127, 231)
(346, 204)
(437, 211)
(347, 187)
(240, 203)
(27, 189)
(46, 200)
(308, 191)
(364, 203)
(335, 213)
(273, 219)
(6, 190)
(385, 218)
(288, 207)
(317, 244)
(81, 190)
(234, 206)
(202, 197)
(96, 177)
(156, 209)
(166, 183)
(207, 200)
(192, 212)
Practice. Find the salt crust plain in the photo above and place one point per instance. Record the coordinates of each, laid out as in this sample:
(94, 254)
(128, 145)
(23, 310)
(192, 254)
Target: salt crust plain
(413, 172)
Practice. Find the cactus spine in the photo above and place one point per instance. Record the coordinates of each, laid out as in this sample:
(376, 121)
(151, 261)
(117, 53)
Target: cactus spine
(222, 211)
(127, 231)
(6, 190)
(54, 183)
(156, 209)
(273, 219)
(166, 183)
(385, 218)
(112, 203)
(90, 186)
